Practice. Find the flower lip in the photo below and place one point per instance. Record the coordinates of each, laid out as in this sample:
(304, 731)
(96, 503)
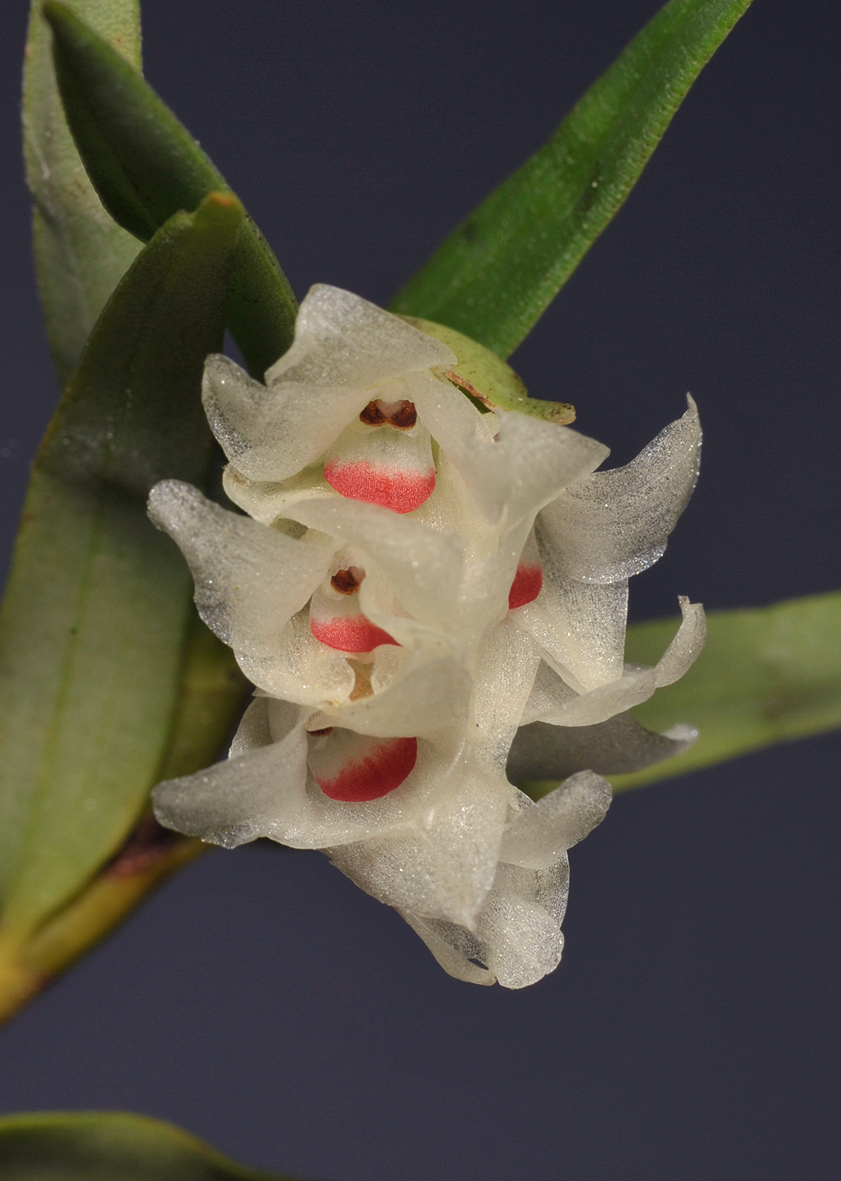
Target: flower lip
(354, 769)
(354, 634)
(527, 585)
(402, 491)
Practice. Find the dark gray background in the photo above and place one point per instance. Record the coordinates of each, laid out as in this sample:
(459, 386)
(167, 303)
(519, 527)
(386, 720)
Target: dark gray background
(262, 1001)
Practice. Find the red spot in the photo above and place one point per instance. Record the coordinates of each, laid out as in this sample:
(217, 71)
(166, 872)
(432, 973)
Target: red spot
(350, 633)
(526, 586)
(400, 490)
(385, 766)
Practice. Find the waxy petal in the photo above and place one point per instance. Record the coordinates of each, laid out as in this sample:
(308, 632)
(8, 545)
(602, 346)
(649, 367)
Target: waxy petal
(520, 927)
(499, 697)
(579, 625)
(556, 703)
(424, 566)
(249, 580)
(518, 474)
(615, 524)
(614, 747)
(271, 434)
(443, 867)
(244, 798)
(516, 938)
(542, 832)
(343, 340)
(429, 697)
(299, 668)
(266, 501)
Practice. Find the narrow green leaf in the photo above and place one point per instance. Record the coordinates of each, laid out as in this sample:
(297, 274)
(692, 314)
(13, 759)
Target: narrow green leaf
(146, 167)
(498, 271)
(98, 609)
(80, 254)
(110, 1146)
(766, 675)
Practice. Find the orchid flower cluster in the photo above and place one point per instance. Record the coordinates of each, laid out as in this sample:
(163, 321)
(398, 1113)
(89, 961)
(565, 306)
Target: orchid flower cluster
(430, 596)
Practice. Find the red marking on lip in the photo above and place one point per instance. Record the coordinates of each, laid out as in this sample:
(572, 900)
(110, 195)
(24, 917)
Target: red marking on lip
(383, 768)
(352, 633)
(400, 490)
(526, 586)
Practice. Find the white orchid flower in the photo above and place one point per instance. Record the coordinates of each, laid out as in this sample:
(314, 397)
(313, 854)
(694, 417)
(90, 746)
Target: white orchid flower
(424, 595)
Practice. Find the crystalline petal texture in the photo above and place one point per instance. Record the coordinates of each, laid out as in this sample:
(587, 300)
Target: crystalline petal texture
(431, 602)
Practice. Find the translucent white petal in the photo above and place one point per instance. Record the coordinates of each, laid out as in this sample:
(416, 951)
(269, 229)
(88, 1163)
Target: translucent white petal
(686, 647)
(423, 566)
(299, 668)
(442, 868)
(516, 938)
(504, 674)
(241, 799)
(549, 693)
(613, 747)
(428, 696)
(520, 924)
(265, 501)
(249, 580)
(272, 433)
(615, 524)
(487, 580)
(514, 477)
(634, 687)
(455, 948)
(580, 626)
(537, 837)
(254, 729)
(342, 340)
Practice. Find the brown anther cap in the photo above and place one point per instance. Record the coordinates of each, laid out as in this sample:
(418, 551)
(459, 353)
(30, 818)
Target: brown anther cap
(402, 415)
(347, 582)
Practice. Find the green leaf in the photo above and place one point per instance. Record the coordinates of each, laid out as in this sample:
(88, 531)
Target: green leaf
(80, 254)
(109, 1146)
(97, 620)
(498, 271)
(766, 675)
(488, 381)
(146, 167)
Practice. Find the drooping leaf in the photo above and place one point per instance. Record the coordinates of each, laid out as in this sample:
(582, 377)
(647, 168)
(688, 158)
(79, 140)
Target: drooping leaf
(146, 167)
(110, 1146)
(494, 276)
(765, 675)
(80, 253)
(488, 380)
(97, 621)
